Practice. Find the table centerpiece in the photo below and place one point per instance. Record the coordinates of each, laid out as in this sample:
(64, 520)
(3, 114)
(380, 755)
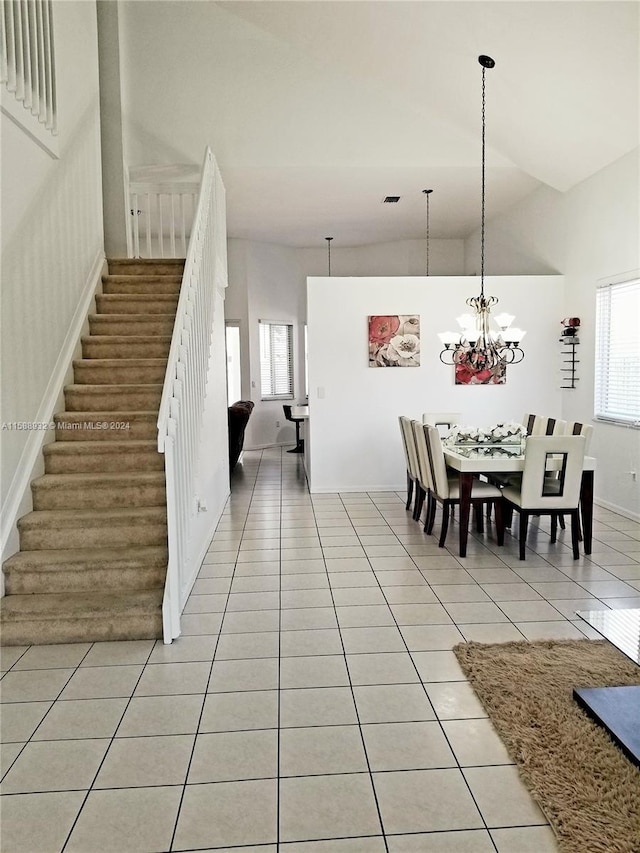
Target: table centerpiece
(503, 433)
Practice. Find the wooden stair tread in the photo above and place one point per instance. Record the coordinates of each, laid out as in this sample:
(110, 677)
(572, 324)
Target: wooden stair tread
(50, 560)
(69, 448)
(56, 606)
(97, 517)
(100, 478)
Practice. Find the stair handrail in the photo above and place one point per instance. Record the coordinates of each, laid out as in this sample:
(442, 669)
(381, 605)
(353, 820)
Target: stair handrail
(183, 394)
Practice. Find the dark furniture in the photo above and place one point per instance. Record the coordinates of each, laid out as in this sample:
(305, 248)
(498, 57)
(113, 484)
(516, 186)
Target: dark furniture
(238, 415)
(299, 448)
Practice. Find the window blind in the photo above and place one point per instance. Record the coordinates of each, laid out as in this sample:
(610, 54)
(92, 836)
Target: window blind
(276, 360)
(617, 369)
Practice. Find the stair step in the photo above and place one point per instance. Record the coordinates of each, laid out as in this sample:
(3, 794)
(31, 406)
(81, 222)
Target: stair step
(118, 371)
(145, 266)
(81, 617)
(110, 398)
(136, 303)
(84, 457)
(117, 425)
(141, 284)
(107, 528)
(99, 490)
(126, 346)
(131, 324)
(85, 570)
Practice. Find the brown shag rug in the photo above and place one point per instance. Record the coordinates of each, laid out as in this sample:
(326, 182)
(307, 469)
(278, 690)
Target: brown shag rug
(586, 787)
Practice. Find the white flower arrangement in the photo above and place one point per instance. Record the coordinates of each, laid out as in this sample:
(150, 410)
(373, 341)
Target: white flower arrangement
(508, 433)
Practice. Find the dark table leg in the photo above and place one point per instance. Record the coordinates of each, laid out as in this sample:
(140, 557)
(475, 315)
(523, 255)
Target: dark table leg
(586, 509)
(466, 482)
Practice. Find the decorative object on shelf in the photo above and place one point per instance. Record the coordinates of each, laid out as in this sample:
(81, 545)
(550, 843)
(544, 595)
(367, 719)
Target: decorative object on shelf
(427, 194)
(329, 239)
(480, 353)
(509, 433)
(570, 340)
(394, 340)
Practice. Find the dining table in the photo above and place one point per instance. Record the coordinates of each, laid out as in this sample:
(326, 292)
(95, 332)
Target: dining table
(470, 460)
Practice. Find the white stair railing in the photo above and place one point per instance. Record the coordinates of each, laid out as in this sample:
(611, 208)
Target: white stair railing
(160, 218)
(28, 67)
(183, 396)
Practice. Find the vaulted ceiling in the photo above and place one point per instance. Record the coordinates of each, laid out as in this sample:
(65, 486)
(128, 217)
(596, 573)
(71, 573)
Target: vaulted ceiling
(318, 110)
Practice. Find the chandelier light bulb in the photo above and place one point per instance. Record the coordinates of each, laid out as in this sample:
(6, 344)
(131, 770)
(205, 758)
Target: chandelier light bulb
(513, 335)
(449, 338)
(504, 320)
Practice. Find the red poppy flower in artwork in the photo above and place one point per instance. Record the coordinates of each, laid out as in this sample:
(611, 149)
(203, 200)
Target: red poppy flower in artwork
(382, 329)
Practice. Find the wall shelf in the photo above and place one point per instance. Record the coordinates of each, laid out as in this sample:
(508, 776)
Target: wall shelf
(570, 362)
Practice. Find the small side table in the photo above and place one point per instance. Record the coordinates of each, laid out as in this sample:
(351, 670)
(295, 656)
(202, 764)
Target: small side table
(617, 709)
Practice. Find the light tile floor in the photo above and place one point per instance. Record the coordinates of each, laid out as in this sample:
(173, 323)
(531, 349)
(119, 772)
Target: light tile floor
(313, 703)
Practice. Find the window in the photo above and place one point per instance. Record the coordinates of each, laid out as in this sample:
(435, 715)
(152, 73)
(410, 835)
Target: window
(234, 370)
(276, 360)
(617, 373)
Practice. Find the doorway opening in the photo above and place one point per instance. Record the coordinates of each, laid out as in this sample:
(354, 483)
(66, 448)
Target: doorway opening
(234, 373)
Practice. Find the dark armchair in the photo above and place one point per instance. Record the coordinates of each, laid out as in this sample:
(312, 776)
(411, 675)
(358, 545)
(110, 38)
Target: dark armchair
(239, 414)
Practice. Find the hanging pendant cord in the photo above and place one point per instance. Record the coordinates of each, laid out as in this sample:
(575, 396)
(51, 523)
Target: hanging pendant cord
(329, 239)
(483, 183)
(427, 193)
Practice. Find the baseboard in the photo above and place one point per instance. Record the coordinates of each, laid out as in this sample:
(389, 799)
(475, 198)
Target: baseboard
(267, 446)
(633, 516)
(369, 488)
(18, 496)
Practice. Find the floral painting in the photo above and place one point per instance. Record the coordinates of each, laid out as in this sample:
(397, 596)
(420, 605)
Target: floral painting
(394, 340)
(468, 372)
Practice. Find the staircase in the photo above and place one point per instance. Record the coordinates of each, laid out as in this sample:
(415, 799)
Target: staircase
(93, 555)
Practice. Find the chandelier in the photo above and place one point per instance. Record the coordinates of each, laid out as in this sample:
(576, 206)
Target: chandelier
(481, 343)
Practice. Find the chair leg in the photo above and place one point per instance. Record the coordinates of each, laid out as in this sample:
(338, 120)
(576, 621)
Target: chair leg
(432, 517)
(479, 518)
(445, 523)
(409, 491)
(575, 527)
(524, 524)
(420, 496)
(554, 527)
(427, 512)
(414, 513)
(561, 520)
(500, 508)
(507, 516)
(579, 527)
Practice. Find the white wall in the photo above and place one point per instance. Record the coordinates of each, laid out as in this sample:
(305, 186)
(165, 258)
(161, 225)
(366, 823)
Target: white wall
(51, 234)
(268, 282)
(590, 233)
(354, 433)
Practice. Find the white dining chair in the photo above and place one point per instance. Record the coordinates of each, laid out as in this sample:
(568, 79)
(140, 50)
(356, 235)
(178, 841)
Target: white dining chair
(577, 428)
(443, 420)
(543, 492)
(541, 425)
(424, 468)
(446, 489)
(411, 459)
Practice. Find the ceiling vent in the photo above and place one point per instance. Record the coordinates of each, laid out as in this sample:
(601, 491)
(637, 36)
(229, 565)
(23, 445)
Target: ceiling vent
(391, 199)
